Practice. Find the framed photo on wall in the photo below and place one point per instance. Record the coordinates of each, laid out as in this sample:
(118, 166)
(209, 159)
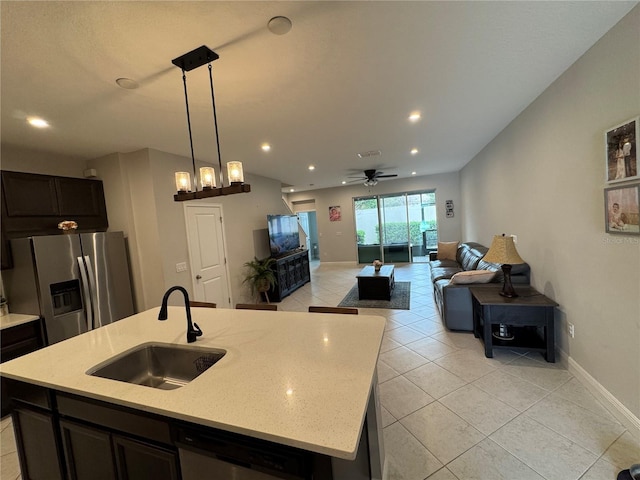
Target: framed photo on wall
(335, 215)
(622, 208)
(622, 151)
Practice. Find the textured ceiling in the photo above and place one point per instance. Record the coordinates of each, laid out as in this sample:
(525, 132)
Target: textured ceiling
(342, 81)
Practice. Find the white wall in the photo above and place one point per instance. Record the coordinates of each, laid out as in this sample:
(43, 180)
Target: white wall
(34, 161)
(160, 231)
(542, 178)
(338, 239)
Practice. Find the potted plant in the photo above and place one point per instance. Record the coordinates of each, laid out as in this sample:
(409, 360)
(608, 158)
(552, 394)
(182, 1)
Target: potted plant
(260, 276)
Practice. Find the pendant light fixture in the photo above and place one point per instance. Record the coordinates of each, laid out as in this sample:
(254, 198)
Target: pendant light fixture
(187, 62)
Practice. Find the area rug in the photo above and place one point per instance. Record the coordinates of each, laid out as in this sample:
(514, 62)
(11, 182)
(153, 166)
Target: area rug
(399, 298)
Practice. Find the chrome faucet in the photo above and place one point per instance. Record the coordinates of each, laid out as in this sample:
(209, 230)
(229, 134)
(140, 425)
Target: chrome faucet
(193, 330)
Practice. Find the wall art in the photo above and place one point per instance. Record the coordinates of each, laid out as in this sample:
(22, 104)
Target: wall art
(622, 152)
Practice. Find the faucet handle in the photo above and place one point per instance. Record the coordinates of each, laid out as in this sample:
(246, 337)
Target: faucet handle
(192, 334)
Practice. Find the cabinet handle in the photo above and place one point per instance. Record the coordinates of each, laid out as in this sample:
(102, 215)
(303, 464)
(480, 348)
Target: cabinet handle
(198, 277)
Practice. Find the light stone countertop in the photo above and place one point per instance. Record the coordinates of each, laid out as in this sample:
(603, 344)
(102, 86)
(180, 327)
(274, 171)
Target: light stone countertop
(300, 379)
(15, 319)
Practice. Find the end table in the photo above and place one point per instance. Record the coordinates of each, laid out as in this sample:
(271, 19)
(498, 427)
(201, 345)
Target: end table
(531, 315)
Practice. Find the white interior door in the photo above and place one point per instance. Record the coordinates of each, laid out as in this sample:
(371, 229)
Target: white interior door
(207, 254)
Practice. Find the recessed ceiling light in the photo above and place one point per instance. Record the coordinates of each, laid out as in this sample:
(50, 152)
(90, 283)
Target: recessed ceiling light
(291, 190)
(414, 117)
(312, 167)
(344, 182)
(414, 151)
(37, 122)
(127, 83)
(265, 147)
(413, 173)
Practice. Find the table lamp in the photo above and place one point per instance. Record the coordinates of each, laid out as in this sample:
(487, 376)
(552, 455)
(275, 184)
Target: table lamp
(503, 251)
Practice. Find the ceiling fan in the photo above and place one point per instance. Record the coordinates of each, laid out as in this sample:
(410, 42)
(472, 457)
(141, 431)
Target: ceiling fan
(371, 177)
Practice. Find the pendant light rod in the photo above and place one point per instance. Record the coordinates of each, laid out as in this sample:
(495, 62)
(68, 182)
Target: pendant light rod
(186, 100)
(215, 122)
(189, 61)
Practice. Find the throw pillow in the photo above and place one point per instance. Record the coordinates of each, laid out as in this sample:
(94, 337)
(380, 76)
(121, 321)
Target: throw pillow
(447, 250)
(473, 276)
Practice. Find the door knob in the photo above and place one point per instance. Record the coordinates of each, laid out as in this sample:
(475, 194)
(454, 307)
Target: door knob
(198, 277)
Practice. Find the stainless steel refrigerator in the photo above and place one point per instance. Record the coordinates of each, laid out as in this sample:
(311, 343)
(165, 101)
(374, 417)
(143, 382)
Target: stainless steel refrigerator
(75, 282)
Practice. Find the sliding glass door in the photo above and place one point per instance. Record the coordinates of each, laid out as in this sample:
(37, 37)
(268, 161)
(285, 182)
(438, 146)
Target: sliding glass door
(367, 218)
(396, 228)
(423, 226)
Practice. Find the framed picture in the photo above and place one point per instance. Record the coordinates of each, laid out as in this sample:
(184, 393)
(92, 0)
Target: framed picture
(622, 207)
(334, 214)
(622, 152)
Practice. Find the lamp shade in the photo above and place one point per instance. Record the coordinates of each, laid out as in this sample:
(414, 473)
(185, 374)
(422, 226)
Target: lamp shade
(234, 171)
(503, 250)
(183, 182)
(207, 177)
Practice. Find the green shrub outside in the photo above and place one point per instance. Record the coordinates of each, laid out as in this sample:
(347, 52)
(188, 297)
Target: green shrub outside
(396, 232)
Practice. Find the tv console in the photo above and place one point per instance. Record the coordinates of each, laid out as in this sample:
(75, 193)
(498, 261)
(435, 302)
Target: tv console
(292, 272)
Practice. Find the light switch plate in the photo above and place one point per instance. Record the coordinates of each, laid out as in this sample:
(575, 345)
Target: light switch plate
(181, 267)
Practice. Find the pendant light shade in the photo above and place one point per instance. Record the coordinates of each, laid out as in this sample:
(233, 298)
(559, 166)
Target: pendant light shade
(183, 182)
(234, 172)
(207, 178)
(187, 62)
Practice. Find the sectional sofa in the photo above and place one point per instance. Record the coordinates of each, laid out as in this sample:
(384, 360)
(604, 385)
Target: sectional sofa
(453, 275)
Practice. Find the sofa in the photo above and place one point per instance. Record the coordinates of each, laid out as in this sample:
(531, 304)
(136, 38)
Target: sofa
(452, 295)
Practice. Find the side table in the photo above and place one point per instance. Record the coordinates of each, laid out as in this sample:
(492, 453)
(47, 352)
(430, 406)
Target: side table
(531, 315)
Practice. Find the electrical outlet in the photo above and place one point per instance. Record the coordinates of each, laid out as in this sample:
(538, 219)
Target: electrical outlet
(572, 330)
(515, 238)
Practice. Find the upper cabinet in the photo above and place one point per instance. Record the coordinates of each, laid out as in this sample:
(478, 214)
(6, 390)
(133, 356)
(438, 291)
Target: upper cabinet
(34, 195)
(34, 204)
(27, 194)
(80, 197)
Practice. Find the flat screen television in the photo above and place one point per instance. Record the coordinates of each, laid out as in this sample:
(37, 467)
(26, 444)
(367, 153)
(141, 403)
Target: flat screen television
(283, 233)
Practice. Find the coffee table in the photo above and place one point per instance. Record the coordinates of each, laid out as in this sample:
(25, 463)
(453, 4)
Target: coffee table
(374, 285)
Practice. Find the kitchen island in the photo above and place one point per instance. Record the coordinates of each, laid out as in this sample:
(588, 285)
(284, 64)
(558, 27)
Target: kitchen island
(297, 380)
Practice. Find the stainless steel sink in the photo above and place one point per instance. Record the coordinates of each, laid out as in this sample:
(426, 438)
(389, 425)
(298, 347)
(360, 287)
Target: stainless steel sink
(159, 365)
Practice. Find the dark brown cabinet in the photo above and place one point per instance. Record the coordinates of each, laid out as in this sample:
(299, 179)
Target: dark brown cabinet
(64, 436)
(88, 452)
(34, 204)
(140, 461)
(92, 453)
(29, 195)
(37, 443)
(16, 341)
(292, 272)
(78, 197)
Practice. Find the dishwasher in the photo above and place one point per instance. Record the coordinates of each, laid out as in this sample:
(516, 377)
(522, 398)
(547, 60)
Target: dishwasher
(217, 455)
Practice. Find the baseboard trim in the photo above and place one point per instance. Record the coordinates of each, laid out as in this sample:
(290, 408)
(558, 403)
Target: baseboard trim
(345, 262)
(617, 409)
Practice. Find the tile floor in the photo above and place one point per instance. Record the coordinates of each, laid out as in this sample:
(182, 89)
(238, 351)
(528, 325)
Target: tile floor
(450, 413)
